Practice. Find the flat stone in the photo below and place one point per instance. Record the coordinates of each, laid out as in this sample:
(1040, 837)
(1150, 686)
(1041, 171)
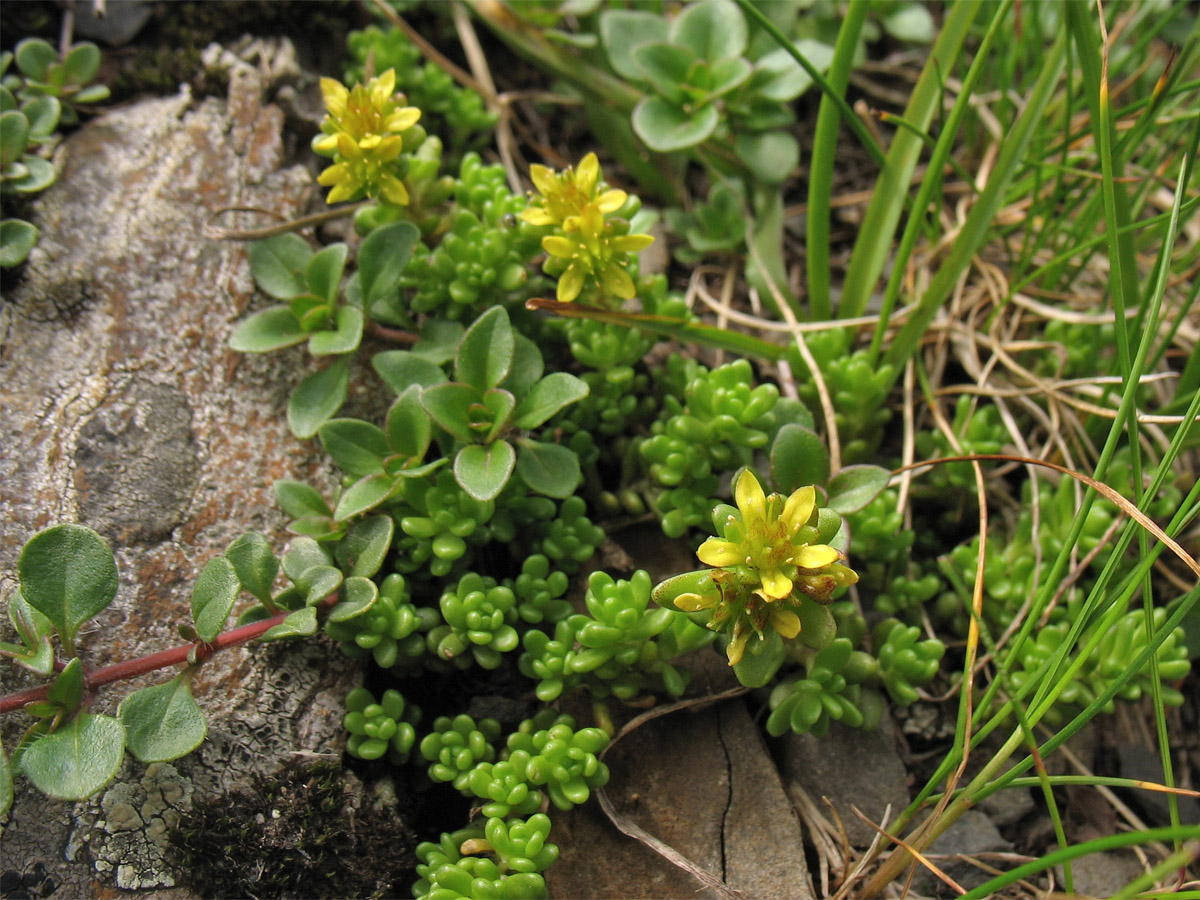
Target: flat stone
(855, 769)
(1102, 874)
(973, 833)
(703, 783)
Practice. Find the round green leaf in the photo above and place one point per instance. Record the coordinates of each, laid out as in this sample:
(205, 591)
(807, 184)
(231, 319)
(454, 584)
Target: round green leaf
(298, 499)
(761, 659)
(667, 128)
(910, 22)
(302, 554)
(68, 574)
(301, 623)
(254, 563)
(14, 136)
(17, 238)
(317, 398)
(770, 155)
(35, 57)
(622, 30)
(712, 29)
(77, 760)
(344, 339)
(856, 486)
(798, 458)
(365, 546)
(278, 263)
(527, 366)
(324, 271)
(271, 329)
(381, 259)
(409, 429)
(358, 447)
(401, 369)
(486, 352)
(212, 598)
(39, 175)
(358, 595)
(787, 79)
(82, 63)
(666, 66)
(549, 469)
(319, 582)
(548, 396)
(163, 721)
(42, 113)
(366, 494)
(483, 470)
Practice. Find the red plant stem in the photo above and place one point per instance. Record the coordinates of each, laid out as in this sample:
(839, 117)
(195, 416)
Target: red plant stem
(176, 656)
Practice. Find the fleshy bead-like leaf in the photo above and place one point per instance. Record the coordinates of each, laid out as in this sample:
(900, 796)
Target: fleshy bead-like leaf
(666, 128)
(68, 574)
(548, 396)
(254, 563)
(856, 486)
(486, 352)
(549, 469)
(483, 470)
(213, 597)
(270, 329)
(278, 265)
(77, 760)
(163, 721)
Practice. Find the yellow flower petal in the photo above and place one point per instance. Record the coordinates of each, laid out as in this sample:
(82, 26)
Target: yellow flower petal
(631, 243)
(617, 282)
(543, 179)
(382, 88)
(799, 508)
(402, 119)
(536, 216)
(750, 499)
(587, 173)
(345, 190)
(815, 556)
(333, 175)
(335, 95)
(611, 201)
(326, 143)
(786, 622)
(775, 584)
(737, 645)
(559, 246)
(694, 602)
(347, 146)
(720, 553)
(570, 283)
(393, 190)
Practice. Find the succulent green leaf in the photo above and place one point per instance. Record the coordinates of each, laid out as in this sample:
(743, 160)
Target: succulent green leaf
(365, 546)
(317, 398)
(278, 265)
(439, 341)
(14, 137)
(301, 623)
(345, 338)
(798, 458)
(664, 65)
(623, 30)
(271, 329)
(727, 74)
(549, 469)
(482, 470)
(856, 486)
(82, 63)
(761, 659)
(17, 238)
(381, 259)
(298, 499)
(35, 57)
(255, 564)
(408, 427)
(771, 156)
(667, 128)
(6, 783)
(402, 369)
(66, 692)
(78, 759)
(39, 175)
(323, 275)
(163, 721)
(358, 447)
(43, 114)
(711, 29)
(366, 494)
(213, 597)
(787, 79)
(485, 354)
(96, 93)
(68, 574)
(549, 395)
(450, 404)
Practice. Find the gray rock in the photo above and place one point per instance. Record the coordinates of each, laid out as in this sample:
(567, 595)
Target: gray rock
(125, 411)
(1143, 763)
(1102, 874)
(973, 833)
(855, 769)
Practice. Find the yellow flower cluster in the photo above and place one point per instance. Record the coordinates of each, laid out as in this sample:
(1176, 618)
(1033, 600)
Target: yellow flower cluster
(589, 246)
(766, 565)
(362, 134)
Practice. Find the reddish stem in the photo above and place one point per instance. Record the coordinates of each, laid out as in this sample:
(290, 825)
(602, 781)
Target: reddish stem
(176, 656)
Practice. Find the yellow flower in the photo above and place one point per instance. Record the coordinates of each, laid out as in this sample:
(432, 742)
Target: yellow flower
(766, 538)
(362, 133)
(587, 247)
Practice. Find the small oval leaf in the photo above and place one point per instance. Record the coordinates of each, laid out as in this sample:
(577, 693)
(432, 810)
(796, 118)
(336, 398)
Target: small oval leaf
(77, 760)
(68, 574)
(163, 721)
(213, 597)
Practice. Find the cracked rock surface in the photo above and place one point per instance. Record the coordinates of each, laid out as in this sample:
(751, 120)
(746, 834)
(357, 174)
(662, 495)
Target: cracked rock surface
(125, 411)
